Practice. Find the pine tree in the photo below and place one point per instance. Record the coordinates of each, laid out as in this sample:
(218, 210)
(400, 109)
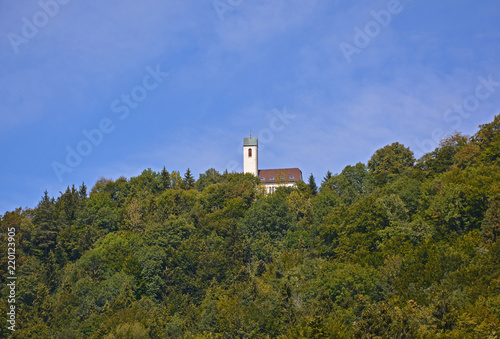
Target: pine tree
(67, 205)
(327, 177)
(188, 181)
(312, 185)
(83, 191)
(165, 179)
(45, 228)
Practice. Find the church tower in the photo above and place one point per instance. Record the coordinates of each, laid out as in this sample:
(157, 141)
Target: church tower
(250, 156)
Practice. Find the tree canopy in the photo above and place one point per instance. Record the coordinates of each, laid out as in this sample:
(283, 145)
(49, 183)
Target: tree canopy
(395, 248)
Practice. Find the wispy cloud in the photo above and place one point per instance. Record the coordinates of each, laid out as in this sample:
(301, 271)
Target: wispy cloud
(226, 78)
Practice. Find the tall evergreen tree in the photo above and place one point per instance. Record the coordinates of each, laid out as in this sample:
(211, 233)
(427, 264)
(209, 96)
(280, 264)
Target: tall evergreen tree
(83, 191)
(312, 184)
(188, 180)
(67, 205)
(45, 232)
(165, 179)
(327, 177)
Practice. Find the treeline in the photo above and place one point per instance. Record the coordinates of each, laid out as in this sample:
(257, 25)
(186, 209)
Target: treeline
(395, 248)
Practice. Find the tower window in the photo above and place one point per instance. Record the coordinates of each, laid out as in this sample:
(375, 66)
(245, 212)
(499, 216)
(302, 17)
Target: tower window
(249, 152)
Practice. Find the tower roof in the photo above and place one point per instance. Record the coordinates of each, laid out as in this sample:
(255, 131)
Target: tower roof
(250, 142)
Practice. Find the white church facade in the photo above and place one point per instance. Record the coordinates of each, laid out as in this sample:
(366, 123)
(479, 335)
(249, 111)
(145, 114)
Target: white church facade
(269, 178)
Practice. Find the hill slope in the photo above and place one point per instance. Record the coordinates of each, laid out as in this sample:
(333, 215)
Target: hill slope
(394, 248)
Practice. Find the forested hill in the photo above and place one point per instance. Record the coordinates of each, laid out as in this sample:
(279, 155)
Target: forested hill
(395, 248)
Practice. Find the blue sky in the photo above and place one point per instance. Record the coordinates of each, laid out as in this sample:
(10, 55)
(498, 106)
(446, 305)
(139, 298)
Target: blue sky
(92, 89)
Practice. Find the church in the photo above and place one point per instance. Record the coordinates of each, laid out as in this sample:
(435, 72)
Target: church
(269, 178)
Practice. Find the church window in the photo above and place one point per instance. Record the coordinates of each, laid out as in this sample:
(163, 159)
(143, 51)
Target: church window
(249, 152)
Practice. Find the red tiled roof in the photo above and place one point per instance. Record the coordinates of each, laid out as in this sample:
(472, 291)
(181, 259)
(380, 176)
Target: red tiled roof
(280, 175)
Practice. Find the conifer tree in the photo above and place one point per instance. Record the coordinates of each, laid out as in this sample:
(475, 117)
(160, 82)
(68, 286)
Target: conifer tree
(45, 229)
(188, 181)
(83, 191)
(312, 184)
(165, 179)
(327, 177)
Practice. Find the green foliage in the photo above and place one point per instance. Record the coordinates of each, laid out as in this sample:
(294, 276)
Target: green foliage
(389, 162)
(327, 177)
(175, 202)
(188, 180)
(164, 179)
(390, 249)
(269, 218)
(313, 188)
(102, 212)
(350, 185)
(341, 285)
(491, 221)
(208, 178)
(45, 232)
(488, 140)
(444, 157)
(176, 180)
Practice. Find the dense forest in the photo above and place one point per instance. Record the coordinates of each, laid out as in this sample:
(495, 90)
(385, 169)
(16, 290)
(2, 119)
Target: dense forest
(395, 248)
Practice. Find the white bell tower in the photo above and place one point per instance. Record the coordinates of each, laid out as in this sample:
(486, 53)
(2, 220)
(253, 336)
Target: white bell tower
(251, 156)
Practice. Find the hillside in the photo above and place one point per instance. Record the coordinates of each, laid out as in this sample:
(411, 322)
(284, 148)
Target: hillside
(395, 248)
